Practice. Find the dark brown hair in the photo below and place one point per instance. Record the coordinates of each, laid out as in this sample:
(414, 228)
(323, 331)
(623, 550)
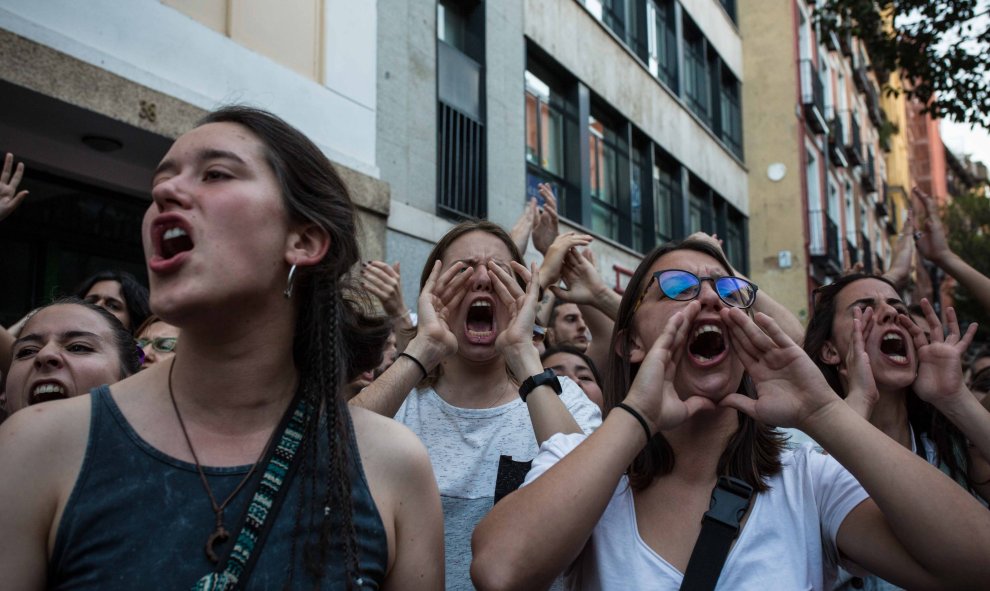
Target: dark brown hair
(950, 443)
(135, 294)
(332, 341)
(752, 453)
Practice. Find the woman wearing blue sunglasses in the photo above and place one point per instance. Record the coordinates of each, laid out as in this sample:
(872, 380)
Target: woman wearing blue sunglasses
(694, 386)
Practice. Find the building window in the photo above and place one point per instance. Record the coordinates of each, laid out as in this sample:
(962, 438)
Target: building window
(730, 113)
(735, 241)
(730, 8)
(699, 207)
(603, 145)
(662, 34)
(544, 126)
(697, 87)
(666, 190)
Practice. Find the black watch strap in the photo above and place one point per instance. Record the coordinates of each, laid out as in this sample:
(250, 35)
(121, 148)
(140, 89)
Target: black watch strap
(547, 378)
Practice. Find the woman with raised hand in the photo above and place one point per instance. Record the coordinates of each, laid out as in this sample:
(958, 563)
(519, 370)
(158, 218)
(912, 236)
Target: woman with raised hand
(470, 383)
(875, 357)
(238, 463)
(623, 508)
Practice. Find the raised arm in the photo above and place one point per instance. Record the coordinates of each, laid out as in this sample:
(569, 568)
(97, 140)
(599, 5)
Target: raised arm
(598, 302)
(902, 260)
(433, 342)
(933, 245)
(533, 534)
(545, 228)
(903, 533)
(515, 344)
(940, 381)
(10, 178)
(524, 226)
(384, 281)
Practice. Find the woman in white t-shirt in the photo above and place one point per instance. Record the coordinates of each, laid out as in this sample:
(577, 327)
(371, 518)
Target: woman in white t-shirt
(610, 513)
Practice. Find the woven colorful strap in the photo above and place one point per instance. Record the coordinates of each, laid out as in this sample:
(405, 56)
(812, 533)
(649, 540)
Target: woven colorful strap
(259, 509)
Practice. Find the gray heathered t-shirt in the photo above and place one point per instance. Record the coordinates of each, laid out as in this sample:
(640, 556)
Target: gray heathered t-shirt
(466, 446)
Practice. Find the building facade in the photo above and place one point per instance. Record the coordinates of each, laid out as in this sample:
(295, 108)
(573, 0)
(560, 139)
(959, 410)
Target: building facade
(630, 109)
(817, 175)
(93, 93)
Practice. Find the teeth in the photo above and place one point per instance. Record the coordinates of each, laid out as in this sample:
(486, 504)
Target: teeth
(898, 358)
(481, 304)
(892, 337)
(707, 328)
(49, 389)
(174, 233)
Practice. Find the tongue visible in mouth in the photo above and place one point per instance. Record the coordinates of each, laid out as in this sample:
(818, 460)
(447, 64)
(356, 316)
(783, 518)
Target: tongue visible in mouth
(480, 319)
(707, 343)
(175, 241)
(894, 347)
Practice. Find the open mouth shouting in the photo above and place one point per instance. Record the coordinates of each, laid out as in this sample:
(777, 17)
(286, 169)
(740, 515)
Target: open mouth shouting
(171, 239)
(479, 325)
(707, 345)
(894, 347)
(47, 390)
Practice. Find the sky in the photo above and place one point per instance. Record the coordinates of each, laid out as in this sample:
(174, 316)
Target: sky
(959, 137)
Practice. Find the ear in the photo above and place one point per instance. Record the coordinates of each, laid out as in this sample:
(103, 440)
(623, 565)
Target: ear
(829, 354)
(306, 244)
(630, 345)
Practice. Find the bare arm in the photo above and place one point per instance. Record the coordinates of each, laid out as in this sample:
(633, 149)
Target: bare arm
(599, 303)
(902, 260)
(910, 538)
(405, 491)
(513, 546)
(545, 226)
(10, 178)
(933, 245)
(515, 344)
(433, 342)
(524, 226)
(384, 281)
(41, 452)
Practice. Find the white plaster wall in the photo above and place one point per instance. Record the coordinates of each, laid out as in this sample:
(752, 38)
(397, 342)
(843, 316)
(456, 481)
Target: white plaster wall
(159, 47)
(582, 45)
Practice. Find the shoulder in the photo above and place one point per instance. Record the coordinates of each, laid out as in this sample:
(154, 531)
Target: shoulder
(387, 447)
(585, 412)
(41, 453)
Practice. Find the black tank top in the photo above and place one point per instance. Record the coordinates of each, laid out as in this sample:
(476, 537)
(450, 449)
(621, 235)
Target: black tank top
(139, 519)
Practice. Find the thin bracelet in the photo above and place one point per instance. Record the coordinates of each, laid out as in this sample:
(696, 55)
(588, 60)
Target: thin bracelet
(422, 368)
(639, 417)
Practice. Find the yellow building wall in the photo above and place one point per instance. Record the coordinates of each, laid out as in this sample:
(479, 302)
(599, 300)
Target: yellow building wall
(772, 136)
(289, 32)
(899, 182)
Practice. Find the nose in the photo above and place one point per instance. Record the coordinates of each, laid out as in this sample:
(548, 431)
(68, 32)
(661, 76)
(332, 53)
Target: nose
(708, 296)
(170, 192)
(149, 354)
(48, 357)
(885, 313)
(480, 280)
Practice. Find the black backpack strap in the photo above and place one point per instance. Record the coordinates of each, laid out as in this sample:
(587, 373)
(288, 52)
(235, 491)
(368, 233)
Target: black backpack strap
(719, 527)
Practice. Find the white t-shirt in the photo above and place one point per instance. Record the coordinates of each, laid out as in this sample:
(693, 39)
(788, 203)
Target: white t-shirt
(466, 447)
(788, 541)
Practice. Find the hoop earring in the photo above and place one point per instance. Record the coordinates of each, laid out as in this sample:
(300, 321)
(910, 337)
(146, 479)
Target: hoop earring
(289, 284)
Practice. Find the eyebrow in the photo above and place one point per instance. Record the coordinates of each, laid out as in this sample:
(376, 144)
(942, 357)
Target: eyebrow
(873, 301)
(203, 155)
(65, 336)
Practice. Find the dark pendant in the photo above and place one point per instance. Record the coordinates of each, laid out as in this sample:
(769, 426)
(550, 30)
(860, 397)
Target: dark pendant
(217, 538)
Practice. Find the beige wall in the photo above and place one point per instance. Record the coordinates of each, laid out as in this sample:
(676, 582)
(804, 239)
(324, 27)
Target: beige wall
(770, 100)
(897, 160)
(288, 31)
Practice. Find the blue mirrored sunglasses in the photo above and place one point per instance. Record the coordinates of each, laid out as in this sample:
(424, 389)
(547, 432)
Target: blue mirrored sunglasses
(685, 286)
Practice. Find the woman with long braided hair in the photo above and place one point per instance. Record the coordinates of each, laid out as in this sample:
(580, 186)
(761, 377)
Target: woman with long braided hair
(238, 464)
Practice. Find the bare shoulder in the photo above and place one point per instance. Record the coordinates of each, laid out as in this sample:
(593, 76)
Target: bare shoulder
(46, 437)
(41, 452)
(385, 443)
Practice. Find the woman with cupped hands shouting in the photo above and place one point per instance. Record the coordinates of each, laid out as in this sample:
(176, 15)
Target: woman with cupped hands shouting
(694, 385)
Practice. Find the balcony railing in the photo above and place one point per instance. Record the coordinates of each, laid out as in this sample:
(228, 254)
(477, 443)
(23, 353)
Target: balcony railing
(824, 243)
(854, 147)
(867, 255)
(869, 178)
(853, 252)
(813, 97)
(837, 141)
